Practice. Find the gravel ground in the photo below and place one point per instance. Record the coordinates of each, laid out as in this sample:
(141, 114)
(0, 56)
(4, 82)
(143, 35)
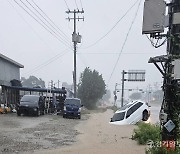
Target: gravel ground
(23, 135)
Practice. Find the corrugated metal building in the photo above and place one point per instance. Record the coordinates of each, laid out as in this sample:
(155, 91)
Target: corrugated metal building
(9, 71)
(10, 85)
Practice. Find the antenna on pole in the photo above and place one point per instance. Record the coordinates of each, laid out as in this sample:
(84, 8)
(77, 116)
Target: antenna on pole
(153, 24)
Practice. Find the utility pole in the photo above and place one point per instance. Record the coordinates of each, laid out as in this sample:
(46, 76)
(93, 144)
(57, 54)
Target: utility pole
(171, 85)
(122, 92)
(170, 64)
(76, 38)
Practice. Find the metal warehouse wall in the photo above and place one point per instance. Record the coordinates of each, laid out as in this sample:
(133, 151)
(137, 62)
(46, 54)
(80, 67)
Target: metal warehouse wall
(8, 72)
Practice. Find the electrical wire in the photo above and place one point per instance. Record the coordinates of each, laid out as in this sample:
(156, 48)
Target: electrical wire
(50, 60)
(101, 38)
(50, 20)
(66, 4)
(47, 21)
(82, 60)
(44, 22)
(76, 4)
(81, 4)
(40, 23)
(29, 25)
(56, 57)
(115, 53)
(156, 45)
(125, 41)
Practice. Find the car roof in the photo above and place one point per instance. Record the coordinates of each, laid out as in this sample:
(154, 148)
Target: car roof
(73, 99)
(128, 105)
(32, 95)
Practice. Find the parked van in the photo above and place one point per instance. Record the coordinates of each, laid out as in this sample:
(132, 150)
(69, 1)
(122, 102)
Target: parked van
(72, 108)
(31, 105)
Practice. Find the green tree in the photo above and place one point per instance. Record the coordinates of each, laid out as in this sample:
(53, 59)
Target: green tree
(32, 81)
(91, 88)
(107, 95)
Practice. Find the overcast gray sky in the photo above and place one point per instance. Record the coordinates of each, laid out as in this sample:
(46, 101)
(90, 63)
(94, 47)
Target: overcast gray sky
(43, 55)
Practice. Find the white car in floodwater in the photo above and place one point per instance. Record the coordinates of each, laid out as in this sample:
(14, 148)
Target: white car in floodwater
(131, 113)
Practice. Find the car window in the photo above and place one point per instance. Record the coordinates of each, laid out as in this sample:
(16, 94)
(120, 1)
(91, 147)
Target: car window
(118, 116)
(73, 101)
(129, 112)
(29, 99)
(139, 104)
(133, 109)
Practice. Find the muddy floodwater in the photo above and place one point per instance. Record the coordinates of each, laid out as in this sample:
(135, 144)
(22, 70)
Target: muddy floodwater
(53, 134)
(26, 134)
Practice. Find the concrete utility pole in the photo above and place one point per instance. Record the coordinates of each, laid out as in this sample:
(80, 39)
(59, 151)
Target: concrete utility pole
(170, 64)
(76, 38)
(171, 85)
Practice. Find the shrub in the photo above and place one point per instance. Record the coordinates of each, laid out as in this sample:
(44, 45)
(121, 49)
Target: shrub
(146, 132)
(162, 150)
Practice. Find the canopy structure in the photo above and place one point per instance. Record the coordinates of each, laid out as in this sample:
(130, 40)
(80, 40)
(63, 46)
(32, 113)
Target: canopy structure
(57, 90)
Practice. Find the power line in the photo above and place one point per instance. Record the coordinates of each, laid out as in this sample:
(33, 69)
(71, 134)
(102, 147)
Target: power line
(66, 4)
(50, 19)
(114, 53)
(46, 20)
(45, 27)
(83, 61)
(125, 41)
(47, 62)
(157, 44)
(29, 25)
(112, 27)
(41, 19)
(76, 4)
(81, 4)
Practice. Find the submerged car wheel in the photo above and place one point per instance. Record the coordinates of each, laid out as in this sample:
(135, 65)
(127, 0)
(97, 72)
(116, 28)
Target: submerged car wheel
(145, 116)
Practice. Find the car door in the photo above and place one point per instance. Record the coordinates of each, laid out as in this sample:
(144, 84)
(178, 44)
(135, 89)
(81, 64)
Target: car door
(137, 115)
(133, 114)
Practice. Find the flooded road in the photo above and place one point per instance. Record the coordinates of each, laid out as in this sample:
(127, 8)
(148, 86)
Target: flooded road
(154, 109)
(26, 134)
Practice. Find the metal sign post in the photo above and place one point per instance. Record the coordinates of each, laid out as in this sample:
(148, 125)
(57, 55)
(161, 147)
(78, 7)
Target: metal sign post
(133, 75)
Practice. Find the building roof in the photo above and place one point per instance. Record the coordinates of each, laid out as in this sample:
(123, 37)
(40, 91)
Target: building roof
(11, 61)
(60, 90)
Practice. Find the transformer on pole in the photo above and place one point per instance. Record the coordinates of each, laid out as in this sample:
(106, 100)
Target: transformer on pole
(76, 38)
